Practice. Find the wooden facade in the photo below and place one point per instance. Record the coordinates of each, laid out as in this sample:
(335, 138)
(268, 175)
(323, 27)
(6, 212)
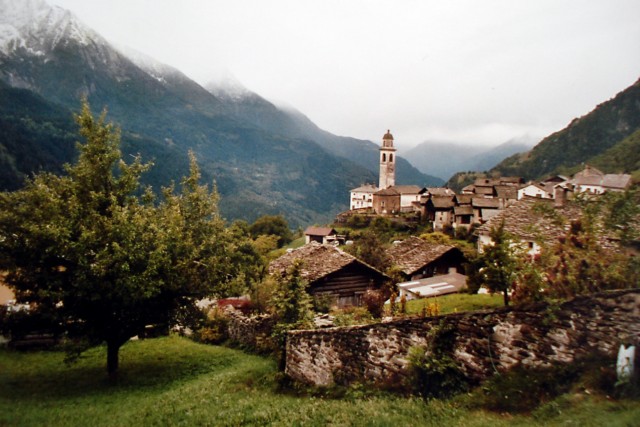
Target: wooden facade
(332, 272)
(347, 285)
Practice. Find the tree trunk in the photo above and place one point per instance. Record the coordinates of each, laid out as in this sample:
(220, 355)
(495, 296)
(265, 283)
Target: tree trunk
(113, 348)
(506, 297)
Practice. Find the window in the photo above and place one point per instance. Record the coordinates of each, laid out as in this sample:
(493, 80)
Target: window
(384, 157)
(391, 157)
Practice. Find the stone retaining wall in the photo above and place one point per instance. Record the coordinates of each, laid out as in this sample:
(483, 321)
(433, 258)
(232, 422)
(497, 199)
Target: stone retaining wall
(250, 332)
(485, 342)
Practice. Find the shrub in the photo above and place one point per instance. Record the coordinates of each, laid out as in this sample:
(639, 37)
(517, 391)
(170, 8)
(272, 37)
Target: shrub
(214, 329)
(433, 370)
(322, 303)
(374, 302)
(352, 316)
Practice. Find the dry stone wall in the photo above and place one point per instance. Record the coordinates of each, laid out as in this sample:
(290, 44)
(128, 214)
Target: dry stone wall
(250, 332)
(485, 342)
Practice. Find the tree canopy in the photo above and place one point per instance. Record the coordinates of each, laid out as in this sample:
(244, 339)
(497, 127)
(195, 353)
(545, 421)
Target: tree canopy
(105, 254)
(272, 225)
(497, 266)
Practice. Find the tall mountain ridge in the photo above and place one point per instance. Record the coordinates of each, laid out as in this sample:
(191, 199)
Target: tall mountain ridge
(264, 160)
(598, 138)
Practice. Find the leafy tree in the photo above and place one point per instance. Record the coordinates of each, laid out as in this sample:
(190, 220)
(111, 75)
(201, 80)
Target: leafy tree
(291, 301)
(581, 266)
(369, 249)
(437, 237)
(275, 225)
(623, 214)
(106, 259)
(497, 266)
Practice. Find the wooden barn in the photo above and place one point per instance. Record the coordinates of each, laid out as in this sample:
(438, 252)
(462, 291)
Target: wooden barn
(418, 258)
(331, 271)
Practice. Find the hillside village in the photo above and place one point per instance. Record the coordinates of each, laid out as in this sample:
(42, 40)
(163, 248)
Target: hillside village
(431, 269)
(155, 269)
(477, 203)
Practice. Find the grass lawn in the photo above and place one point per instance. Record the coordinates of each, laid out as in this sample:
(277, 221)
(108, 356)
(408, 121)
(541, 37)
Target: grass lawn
(457, 302)
(173, 381)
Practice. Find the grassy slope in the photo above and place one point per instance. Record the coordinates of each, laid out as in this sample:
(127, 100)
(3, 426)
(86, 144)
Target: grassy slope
(171, 381)
(457, 303)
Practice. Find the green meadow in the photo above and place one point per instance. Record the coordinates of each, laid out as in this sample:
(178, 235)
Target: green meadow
(174, 381)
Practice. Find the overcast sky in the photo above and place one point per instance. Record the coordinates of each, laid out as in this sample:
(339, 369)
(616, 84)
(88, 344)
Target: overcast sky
(467, 71)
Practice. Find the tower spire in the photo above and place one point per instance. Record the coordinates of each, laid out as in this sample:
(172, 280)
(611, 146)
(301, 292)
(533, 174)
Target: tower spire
(387, 162)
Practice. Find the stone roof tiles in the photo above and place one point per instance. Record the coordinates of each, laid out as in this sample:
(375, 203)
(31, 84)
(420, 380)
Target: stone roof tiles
(414, 253)
(318, 261)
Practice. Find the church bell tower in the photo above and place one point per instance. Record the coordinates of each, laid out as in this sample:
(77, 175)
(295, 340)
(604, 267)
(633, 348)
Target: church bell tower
(387, 162)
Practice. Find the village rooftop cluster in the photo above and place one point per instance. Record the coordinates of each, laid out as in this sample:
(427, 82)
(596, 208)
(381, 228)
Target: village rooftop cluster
(431, 269)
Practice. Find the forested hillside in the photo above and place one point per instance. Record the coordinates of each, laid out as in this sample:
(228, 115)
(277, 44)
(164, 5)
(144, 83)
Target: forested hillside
(583, 139)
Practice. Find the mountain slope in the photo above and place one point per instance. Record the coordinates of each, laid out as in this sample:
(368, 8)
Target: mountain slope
(263, 163)
(624, 157)
(443, 159)
(248, 106)
(585, 137)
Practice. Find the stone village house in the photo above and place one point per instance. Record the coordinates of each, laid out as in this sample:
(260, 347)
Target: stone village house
(331, 271)
(532, 221)
(418, 258)
(323, 235)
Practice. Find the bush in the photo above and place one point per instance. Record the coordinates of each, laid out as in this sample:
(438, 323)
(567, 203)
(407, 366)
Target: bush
(214, 329)
(352, 316)
(358, 221)
(322, 303)
(374, 302)
(433, 370)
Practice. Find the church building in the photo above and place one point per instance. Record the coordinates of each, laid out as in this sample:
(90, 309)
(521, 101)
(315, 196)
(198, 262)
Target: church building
(387, 197)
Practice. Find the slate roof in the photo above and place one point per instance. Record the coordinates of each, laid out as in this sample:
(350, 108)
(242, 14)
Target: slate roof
(318, 261)
(463, 210)
(539, 185)
(482, 202)
(510, 180)
(391, 191)
(485, 182)
(527, 223)
(594, 177)
(468, 188)
(408, 189)
(616, 181)
(556, 179)
(464, 199)
(442, 202)
(440, 191)
(367, 188)
(319, 231)
(413, 253)
(484, 190)
(506, 191)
